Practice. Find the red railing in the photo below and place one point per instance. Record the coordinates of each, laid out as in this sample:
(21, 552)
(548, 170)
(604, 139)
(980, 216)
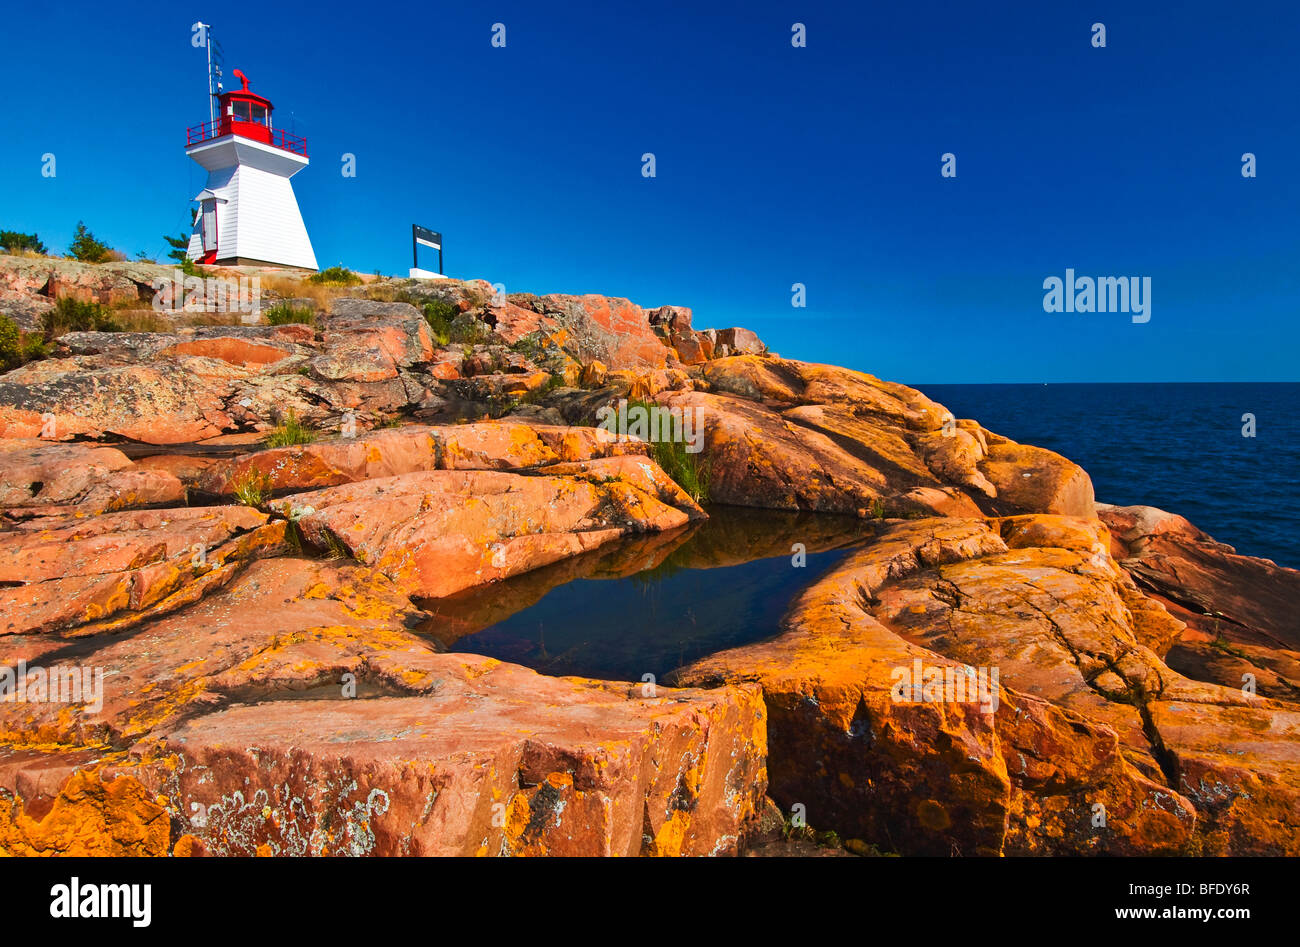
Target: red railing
(229, 125)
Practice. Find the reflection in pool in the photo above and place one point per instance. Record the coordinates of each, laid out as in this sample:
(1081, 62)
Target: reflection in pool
(649, 604)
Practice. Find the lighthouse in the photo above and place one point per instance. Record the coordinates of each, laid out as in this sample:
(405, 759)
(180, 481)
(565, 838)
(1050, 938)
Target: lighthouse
(247, 211)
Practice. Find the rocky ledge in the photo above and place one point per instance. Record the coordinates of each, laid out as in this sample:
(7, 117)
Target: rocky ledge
(1000, 665)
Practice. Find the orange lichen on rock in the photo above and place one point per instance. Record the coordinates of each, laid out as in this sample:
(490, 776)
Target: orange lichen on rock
(90, 816)
(442, 531)
(796, 435)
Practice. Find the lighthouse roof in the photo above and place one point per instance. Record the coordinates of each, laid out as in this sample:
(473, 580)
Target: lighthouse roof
(244, 93)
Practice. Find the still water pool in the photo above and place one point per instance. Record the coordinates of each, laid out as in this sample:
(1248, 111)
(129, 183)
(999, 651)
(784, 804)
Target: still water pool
(650, 604)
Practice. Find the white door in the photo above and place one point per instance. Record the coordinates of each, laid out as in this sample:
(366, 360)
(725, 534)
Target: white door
(209, 226)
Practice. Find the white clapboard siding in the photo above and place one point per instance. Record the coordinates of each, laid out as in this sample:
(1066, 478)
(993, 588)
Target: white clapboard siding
(257, 213)
(265, 220)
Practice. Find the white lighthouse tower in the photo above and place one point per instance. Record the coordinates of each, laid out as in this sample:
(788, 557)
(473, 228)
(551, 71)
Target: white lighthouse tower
(247, 212)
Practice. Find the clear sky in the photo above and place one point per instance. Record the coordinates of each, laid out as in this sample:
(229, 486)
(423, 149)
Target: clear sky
(775, 165)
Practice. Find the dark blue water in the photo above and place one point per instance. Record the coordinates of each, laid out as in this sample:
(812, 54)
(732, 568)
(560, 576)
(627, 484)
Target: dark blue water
(650, 604)
(1174, 446)
(648, 624)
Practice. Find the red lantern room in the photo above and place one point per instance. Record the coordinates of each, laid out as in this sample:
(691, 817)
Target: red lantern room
(247, 114)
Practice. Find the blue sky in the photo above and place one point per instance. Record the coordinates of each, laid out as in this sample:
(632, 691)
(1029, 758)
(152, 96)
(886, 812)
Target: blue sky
(775, 165)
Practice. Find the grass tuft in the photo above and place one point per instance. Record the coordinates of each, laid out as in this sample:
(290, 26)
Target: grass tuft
(252, 488)
(689, 470)
(290, 431)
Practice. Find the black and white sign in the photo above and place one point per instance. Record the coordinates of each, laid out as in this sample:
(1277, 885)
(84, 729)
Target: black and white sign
(426, 237)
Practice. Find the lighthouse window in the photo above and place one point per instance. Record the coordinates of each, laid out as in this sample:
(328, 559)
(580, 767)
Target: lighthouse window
(259, 114)
(241, 111)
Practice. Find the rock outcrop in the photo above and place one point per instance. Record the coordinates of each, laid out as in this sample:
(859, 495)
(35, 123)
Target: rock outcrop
(440, 532)
(41, 477)
(29, 285)
(1243, 627)
(215, 646)
(426, 754)
(1083, 720)
(793, 435)
(503, 445)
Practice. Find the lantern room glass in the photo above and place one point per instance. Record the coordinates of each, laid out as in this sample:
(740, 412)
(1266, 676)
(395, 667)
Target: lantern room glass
(242, 111)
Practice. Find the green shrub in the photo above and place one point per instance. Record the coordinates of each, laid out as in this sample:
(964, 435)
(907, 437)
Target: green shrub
(285, 313)
(11, 344)
(14, 242)
(529, 347)
(33, 347)
(73, 315)
(290, 431)
(335, 276)
(439, 315)
(86, 248)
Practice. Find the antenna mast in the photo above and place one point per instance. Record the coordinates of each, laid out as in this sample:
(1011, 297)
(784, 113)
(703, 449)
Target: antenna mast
(214, 70)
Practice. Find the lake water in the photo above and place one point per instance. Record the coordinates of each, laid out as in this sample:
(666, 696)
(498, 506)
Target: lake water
(1178, 447)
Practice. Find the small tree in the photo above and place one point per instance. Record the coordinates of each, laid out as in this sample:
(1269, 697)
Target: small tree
(86, 248)
(179, 246)
(14, 242)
